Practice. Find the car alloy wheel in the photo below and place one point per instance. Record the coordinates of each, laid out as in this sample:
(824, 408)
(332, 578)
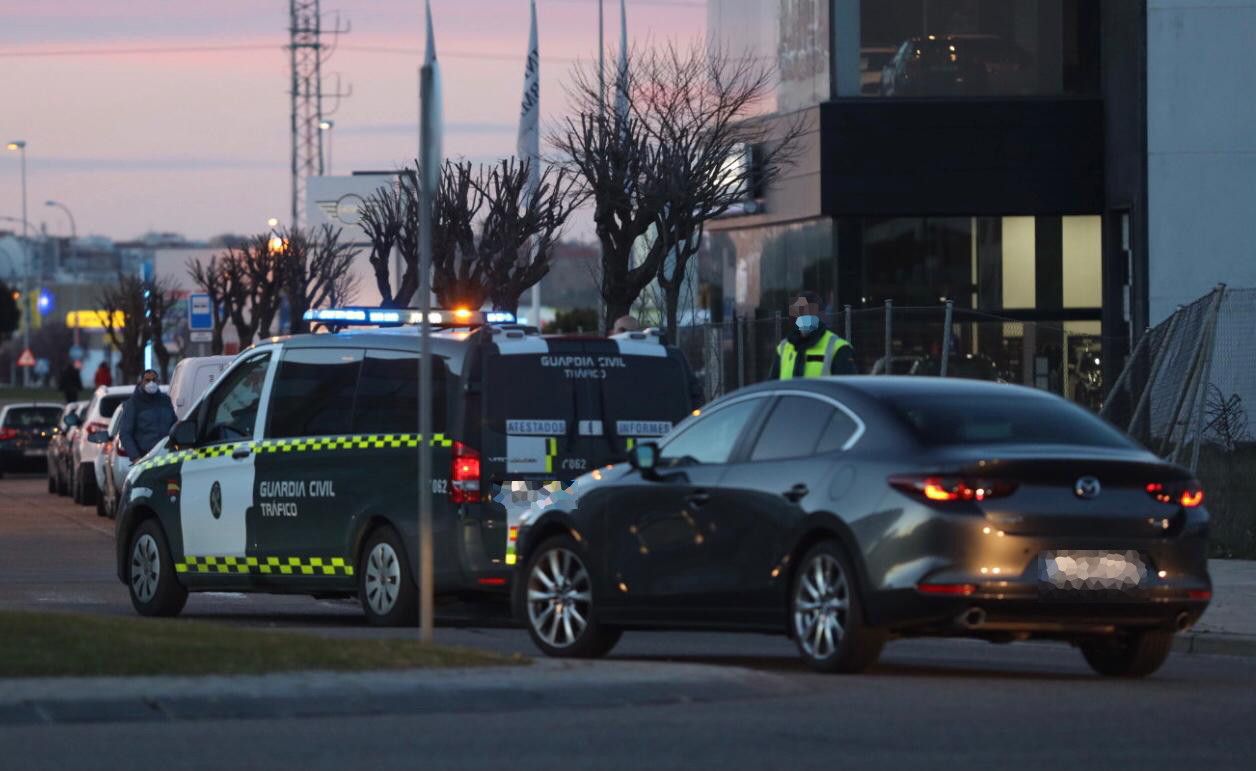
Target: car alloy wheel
(559, 598)
(145, 568)
(821, 606)
(383, 578)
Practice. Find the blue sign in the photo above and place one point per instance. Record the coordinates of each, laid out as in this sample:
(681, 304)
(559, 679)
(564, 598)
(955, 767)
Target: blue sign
(200, 314)
(76, 352)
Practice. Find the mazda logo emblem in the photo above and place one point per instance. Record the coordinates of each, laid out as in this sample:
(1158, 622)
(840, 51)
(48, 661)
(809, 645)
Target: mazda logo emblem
(1087, 488)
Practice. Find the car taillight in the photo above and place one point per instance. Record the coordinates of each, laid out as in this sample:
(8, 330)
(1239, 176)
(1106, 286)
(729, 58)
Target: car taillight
(7, 434)
(464, 484)
(944, 489)
(1186, 494)
(95, 426)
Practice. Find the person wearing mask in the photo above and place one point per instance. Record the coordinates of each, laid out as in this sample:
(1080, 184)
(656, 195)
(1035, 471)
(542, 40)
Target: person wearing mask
(811, 349)
(70, 383)
(103, 377)
(146, 417)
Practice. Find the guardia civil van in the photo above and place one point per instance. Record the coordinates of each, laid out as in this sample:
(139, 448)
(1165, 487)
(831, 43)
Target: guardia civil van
(296, 472)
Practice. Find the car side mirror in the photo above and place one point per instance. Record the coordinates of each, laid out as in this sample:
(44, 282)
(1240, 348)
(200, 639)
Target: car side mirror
(72, 420)
(644, 458)
(184, 433)
(98, 437)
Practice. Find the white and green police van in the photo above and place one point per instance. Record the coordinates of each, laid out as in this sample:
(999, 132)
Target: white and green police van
(297, 472)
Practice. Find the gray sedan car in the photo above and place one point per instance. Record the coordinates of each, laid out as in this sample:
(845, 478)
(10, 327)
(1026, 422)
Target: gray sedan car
(845, 512)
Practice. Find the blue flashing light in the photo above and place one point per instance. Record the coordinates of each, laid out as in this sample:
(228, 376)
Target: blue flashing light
(335, 314)
(499, 317)
(407, 316)
(44, 303)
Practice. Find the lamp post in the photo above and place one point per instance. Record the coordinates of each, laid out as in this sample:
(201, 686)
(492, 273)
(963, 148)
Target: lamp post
(69, 215)
(327, 126)
(19, 145)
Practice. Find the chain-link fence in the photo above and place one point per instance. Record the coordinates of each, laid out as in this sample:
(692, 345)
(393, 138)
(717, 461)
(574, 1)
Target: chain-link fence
(939, 340)
(1184, 394)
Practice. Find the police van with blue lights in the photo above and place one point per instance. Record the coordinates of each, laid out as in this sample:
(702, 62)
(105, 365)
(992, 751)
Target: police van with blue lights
(296, 473)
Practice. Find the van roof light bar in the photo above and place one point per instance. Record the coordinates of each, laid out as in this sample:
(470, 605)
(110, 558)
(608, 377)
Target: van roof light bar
(397, 317)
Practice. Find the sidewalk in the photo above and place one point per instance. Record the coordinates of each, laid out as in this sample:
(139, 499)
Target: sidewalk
(1229, 624)
(545, 683)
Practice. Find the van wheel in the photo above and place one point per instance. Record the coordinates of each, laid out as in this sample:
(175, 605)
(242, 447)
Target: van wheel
(385, 584)
(559, 603)
(1134, 654)
(154, 588)
(826, 613)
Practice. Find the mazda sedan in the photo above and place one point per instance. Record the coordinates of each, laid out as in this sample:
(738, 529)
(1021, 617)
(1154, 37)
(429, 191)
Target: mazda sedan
(844, 512)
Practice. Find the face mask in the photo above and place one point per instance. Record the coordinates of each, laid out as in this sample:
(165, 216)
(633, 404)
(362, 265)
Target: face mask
(150, 388)
(807, 324)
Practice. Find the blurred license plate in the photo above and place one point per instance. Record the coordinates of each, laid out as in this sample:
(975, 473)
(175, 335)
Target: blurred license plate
(34, 453)
(1091, 570)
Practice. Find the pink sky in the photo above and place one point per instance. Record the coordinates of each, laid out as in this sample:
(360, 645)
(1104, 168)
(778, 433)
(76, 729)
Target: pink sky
(197, 141)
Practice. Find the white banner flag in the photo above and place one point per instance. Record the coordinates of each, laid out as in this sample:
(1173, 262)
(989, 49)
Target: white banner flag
(431, 177)
(621, 74)
(529, 146)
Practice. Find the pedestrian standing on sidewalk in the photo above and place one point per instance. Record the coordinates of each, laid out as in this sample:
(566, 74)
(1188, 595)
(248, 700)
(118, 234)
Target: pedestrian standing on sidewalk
(146, 417)
(70, 383)
(103, 376)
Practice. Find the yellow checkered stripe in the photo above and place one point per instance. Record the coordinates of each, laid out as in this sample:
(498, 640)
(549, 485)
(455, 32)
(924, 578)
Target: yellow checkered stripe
(305, 444)
(286, 566)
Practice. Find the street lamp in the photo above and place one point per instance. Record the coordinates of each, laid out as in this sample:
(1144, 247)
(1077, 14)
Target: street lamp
(327, 126)
(19, 145)
(69, 214)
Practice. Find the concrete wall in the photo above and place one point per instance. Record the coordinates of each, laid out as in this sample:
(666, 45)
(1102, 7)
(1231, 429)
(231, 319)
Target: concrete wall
(1201, 148)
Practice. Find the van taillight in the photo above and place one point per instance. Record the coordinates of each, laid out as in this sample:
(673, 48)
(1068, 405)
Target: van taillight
(943, 489)
(1186, 494)
(7, 434)
(464, 484)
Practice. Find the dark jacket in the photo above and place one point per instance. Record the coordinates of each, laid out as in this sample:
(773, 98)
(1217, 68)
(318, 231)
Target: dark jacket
(146, 420)
(843, 360)
(70, 382)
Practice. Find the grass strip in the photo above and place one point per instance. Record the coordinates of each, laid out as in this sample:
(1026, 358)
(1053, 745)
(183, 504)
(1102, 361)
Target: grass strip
(73, 645)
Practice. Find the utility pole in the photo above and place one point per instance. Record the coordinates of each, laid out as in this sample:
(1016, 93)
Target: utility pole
(20, 146)
(308, 53)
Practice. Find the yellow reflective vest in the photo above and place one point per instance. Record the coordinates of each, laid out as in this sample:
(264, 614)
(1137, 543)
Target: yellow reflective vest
(819, 361)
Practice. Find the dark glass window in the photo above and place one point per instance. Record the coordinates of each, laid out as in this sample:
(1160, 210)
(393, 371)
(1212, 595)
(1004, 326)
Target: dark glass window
(839, 431)
(231, 410)
(388, 394)
(313, 392)
(711, 438)
(32, 417)
(1010, 419)
(792, 429)
(110, 403)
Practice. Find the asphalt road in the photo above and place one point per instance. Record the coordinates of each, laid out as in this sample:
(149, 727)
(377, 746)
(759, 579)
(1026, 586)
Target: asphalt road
(940, 704)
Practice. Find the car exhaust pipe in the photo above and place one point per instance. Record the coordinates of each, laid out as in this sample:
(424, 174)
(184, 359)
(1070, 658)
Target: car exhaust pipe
(973, 618)
(1183, 621)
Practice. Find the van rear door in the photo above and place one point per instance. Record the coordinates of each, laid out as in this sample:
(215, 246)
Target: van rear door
(554, 408)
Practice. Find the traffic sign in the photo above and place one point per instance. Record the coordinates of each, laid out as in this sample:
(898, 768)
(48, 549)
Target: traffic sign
(27, 359)
(200, 315)
(76, 352)
(201, 336)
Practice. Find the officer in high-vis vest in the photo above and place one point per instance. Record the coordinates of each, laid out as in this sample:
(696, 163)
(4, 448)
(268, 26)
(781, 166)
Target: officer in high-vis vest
(811, 349)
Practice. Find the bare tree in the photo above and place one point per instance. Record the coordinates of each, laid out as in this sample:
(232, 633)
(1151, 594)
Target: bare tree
(316, 272)
(618, 159)
(701, 106)
(382, 218)
(211, 278)
(458, 276)
(129, 328)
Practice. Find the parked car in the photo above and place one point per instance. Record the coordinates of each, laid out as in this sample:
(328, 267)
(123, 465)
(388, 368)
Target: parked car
(973, 366)
(57, 456)
(24, 433)
(957, 65)
(846, 511)
(84, 483)
(192, 377)
(112, 465)
(873, 59)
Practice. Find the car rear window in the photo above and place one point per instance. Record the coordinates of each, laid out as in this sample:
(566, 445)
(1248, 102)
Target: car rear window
(110, 403)
(32, 417)
(946, 420)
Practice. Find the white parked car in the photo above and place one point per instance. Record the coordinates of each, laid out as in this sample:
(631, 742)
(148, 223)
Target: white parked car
(112, 465)
(192, 377)
(104, 402)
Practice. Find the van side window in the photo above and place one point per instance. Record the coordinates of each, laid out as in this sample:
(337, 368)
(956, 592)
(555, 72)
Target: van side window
(231, 411)
(313, 392)
(388, 394)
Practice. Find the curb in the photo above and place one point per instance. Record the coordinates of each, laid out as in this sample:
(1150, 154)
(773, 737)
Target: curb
(329, 694)
(1214, 643)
